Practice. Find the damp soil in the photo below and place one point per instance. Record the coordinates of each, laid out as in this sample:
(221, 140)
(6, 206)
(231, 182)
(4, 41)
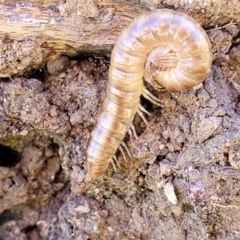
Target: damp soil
(183, 181)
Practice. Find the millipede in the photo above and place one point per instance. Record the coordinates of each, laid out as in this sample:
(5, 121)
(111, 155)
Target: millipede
(169, 50)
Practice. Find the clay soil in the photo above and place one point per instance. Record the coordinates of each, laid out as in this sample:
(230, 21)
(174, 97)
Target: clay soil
(183, 181)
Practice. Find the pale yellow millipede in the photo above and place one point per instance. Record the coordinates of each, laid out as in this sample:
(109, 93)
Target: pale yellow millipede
(172, 48)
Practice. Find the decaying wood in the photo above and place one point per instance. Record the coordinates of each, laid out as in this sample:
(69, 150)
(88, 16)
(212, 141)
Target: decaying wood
(34, 32)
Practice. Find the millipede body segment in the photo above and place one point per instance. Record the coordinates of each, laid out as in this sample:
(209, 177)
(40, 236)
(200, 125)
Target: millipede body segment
(170, 49)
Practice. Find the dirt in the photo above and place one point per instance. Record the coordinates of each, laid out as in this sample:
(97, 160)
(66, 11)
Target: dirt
(19, 57)
(183, 182)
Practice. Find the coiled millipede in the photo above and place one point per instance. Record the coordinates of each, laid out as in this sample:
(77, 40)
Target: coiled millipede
(170, 50)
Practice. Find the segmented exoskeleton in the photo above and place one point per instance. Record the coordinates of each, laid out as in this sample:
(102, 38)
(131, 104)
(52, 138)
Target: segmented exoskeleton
(175, 53)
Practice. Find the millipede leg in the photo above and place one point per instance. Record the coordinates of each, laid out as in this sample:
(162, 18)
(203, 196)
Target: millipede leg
(147, 76)
(149, 96)
(122, 152)
(116, 161)
(127, 149)
(152, 82)
(132, 131)
(113, 165)
(142, 109)
(140, 113)
(143, 118)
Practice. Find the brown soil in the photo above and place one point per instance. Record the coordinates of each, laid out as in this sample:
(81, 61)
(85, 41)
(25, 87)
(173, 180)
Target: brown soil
(190, 155)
